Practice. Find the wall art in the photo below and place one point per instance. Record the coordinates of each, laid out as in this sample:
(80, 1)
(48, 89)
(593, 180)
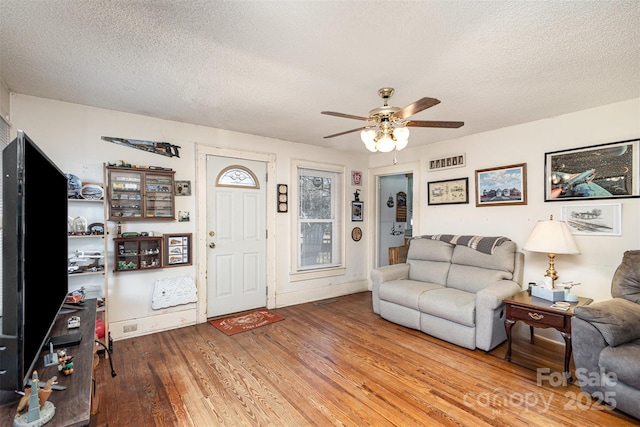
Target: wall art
(357, 211)
(448, 192)
(182, 188)
(604, 171)
(356, 178)
(593, 220)
(503, 185)
(448, 162)
(177, 250)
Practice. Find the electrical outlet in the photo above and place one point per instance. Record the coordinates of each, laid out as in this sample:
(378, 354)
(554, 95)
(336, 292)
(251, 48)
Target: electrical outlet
(130, 328)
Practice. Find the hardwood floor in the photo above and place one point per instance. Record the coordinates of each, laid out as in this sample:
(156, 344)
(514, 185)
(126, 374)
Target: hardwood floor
(336, 363)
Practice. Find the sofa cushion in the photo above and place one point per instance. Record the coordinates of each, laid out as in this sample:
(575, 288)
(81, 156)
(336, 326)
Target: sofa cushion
(474, 279)
(450, 304)
(430, 250)
(617, 319)
(626, 280)
(428, 271)
(503, 258)
(405, 292)
(624, 361)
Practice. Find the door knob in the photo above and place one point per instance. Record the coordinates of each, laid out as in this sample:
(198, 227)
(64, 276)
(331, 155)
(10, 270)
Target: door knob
(212, 245)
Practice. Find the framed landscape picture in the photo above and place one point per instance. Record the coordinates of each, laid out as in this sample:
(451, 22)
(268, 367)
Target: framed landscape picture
(503, 185)
(448, 192)
(605, 171)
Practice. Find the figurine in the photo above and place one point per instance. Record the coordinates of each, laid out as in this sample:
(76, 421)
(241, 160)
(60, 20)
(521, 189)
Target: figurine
(65, 362)
(34, 407)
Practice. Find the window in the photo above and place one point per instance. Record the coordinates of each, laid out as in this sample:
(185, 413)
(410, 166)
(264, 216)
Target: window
(319, 228)
(237, 176)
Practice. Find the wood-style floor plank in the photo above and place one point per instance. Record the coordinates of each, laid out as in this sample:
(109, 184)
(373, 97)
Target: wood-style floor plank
(334, 364)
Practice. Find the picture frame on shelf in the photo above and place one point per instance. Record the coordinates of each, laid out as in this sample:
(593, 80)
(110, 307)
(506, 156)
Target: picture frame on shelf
(448, 192)
(502, 185)
(357, 211)
(447, 162)
(593, 219)
(177, 252)
(604, 171)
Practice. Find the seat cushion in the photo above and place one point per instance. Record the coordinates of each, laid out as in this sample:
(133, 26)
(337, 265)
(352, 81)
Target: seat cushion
(405, 292)
(624, 361)
(450, 304)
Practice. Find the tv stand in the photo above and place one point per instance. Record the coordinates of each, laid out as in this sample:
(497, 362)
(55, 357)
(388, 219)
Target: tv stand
(73, 405)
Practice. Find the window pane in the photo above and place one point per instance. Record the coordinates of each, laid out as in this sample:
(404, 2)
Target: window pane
(318, 246)
(315, 197)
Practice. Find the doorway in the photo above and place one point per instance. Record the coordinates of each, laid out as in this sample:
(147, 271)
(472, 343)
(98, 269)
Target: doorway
(395, 213)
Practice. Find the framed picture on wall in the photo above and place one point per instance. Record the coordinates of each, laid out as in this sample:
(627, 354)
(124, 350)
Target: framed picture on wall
(448, 192)
(593, 220)
(177, 250)
(503, 185)
(605, 171)
(357, 211)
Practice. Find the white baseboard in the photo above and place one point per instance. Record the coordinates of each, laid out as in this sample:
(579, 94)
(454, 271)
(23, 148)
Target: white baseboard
(308, 295)
(152, 324)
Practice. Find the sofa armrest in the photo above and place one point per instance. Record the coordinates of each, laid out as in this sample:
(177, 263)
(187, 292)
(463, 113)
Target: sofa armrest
(389, 272)
(490, 298)
(617, 319)
(384, 274)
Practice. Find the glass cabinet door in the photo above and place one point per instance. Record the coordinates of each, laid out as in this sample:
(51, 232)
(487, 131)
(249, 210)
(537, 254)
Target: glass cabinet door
(125, 195)
(159, 196)
(140, 194)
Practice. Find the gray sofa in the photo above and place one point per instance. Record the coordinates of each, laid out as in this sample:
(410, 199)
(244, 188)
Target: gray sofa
(451, 287)
(606, 341)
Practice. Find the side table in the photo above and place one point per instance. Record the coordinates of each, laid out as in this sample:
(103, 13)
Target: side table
(537, 312)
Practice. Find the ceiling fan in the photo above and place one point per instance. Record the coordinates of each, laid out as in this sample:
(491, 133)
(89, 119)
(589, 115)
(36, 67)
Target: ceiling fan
(387, 125)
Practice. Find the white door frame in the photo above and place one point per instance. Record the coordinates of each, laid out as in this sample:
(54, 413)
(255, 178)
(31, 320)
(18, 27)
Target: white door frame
(202, 151)
(374, 194)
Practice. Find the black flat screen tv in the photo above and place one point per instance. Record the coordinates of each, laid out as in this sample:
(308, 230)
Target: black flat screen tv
(34, 257)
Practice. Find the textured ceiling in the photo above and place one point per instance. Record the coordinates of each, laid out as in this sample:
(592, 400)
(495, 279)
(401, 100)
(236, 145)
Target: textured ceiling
(270, 67)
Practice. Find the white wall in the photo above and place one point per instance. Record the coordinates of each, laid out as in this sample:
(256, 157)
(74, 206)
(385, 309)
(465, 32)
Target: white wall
(528, 143)
(70, 135)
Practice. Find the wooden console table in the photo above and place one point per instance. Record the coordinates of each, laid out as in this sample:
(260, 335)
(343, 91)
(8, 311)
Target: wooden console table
(73, 405)
(537, 312)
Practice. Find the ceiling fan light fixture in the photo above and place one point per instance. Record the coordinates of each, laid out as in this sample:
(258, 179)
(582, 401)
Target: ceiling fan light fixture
(368, 137)
(386, 143)
(401, 135)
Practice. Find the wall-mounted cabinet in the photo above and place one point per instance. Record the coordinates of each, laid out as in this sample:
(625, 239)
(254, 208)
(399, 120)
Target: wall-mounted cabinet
(137, 253)
(140, 194)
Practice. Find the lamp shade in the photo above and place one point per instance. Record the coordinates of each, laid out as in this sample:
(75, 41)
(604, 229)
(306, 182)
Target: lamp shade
(551, 237)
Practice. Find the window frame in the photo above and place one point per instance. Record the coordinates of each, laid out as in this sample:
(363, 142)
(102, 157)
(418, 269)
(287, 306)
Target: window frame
(338, 237)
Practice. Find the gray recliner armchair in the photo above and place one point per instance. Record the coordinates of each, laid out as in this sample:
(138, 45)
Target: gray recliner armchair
(606, 341)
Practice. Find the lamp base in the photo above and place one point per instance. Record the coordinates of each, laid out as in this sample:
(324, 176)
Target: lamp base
(548, 294)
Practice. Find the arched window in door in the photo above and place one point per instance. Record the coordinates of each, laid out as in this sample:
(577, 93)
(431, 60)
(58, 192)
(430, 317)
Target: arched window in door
(237, 176)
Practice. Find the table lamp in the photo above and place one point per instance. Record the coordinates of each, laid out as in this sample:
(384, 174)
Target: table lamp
(553, 238)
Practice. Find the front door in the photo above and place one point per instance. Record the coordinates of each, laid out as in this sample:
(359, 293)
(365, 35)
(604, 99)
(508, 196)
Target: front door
(236, 235)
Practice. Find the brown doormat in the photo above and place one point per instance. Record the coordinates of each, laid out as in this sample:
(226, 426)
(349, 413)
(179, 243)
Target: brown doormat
(245, 322)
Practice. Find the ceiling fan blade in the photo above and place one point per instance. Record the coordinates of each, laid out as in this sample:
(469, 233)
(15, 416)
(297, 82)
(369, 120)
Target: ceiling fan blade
(416, 107)
(434, 124)
(348, 131)
(345, 116)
